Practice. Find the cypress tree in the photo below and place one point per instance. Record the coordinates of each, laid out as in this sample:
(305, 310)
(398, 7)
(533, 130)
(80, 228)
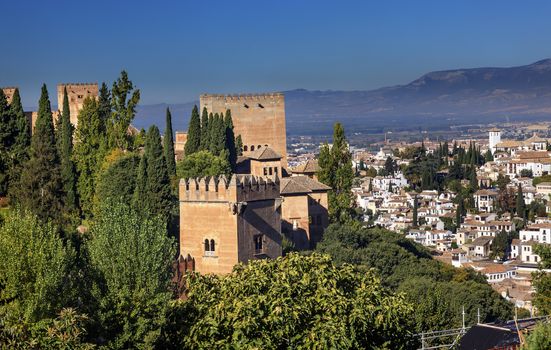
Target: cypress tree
(194, 133)
(415, 209)
(89, 152)
(22, 140)
(205, 130)
(521, 207)
(239, 145)
(6, 141)
(104, 106)
(158, 192)
(139, 199)
(336, 171)
(218, 135)
(65, 144)
(230, 139)
(169, 145)
(459, 211)
(40, 188)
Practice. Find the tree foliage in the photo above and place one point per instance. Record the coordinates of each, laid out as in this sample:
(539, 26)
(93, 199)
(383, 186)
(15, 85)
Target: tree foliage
(201, 164)
(169, 145)
(336, 171)
(194, 141)
(124, 99)
(35, 264)
(89, 152)
(68, 171)
(132, 255)
(40, 189)
(437, 289)
(296, 302)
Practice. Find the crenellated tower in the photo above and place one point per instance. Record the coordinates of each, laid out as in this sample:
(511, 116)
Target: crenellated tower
(77, 93)
(227, 221)
(258, 118)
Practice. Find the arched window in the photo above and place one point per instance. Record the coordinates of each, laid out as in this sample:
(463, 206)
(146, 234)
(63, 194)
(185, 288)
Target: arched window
(259, 146)
(252, 148)
(207, 246)
(212, 245)
(245, 148)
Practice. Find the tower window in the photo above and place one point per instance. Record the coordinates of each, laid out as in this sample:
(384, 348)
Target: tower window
(245, 148)
(245, 105)
(258, 243)
(252, 148)
(261, 106)
(212, 245)
(207, 245)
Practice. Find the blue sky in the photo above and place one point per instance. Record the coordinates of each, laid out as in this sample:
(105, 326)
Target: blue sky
(175, 50)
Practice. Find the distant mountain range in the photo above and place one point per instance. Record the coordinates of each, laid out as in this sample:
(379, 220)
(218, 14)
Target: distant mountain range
(437, 99)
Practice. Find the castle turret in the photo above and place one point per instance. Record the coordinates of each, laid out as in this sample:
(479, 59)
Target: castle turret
(227, 221)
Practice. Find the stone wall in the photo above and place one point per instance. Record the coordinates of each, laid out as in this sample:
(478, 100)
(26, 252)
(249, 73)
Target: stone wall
(259, 119)
(230, 213)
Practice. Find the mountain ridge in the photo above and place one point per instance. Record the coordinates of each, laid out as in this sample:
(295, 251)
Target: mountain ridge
(438, 98)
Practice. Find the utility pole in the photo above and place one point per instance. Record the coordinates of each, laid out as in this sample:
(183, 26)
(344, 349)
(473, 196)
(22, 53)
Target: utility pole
(478, 316)
(463, 315)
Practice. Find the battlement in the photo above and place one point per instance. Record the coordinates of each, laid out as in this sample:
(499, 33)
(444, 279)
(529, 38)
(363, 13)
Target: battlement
(238, 188)
(78, 84)
(272, 97)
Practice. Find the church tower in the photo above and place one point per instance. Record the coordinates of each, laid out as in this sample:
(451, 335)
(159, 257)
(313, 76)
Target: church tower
(494, 139)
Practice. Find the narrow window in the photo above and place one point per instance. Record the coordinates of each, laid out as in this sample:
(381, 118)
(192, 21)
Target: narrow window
(265, 171)
(212, 245)
(258, 243)
(245, 148)
(259, 146)
(252, 148)
(207, 246)
(275, 170)
(270, 170)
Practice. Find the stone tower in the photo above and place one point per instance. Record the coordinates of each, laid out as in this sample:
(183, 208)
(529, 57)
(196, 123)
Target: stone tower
(76, 92)
(259, 119)
(224, 222)
(494, 138)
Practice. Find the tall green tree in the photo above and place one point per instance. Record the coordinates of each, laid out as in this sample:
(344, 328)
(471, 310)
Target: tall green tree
(22, 141)
(41, 189)
(521, 206)
(7, 134)
(239, 145)
(118, 180)
(205, 130)
(35, 264)
(89, 152)
(132, 255)
(415, 209)
(140, 190)
(230, 139)
(169, 144)
(68, 172)
(194, 133)
(336, 171)
(124, 99)
(158, 196)
(104, 106)
(500, 245)
(217, 135)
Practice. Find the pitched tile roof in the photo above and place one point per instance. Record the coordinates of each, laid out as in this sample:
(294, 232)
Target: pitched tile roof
(310, 166)
(301, 184)
(265, 153)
